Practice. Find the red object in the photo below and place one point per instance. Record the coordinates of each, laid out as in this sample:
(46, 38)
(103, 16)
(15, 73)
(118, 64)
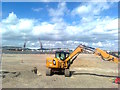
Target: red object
(117, 80)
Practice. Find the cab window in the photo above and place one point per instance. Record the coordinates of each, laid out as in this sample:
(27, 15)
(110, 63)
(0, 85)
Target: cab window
(57, 55)
(62, 56)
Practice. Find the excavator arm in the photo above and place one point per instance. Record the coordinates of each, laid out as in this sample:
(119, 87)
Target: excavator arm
(97, 51)
(104, 55)
(69, 60)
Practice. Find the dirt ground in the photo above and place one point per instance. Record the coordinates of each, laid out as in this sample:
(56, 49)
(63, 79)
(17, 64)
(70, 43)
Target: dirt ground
(88, 71)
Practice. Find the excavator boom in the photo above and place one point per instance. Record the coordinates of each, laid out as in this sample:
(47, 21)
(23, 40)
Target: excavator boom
(73, 55)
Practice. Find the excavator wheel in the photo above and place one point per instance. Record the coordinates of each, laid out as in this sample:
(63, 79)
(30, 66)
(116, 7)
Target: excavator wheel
(48, 72)
(67, 73)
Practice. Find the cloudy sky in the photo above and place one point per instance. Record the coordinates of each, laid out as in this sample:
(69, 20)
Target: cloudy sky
(63, 25)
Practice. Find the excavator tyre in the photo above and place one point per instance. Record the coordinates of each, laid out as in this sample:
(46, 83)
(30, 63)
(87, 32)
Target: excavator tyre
(67, 73)
(48, 72)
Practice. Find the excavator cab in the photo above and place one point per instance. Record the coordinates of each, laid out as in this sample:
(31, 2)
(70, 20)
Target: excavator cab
(61, 55)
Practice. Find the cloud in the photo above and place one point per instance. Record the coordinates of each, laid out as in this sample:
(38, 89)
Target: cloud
(60, 11)
(90, 9)
(43, 28)
(11, 19)
(25, 24)
(92, 31)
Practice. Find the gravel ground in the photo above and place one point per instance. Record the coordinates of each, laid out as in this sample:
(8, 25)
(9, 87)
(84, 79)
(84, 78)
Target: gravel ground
(88, 71)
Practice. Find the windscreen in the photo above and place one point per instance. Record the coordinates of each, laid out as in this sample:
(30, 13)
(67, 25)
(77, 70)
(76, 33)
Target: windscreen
(60, 56)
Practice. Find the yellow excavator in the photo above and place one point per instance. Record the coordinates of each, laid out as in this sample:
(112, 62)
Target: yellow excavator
(63, 60)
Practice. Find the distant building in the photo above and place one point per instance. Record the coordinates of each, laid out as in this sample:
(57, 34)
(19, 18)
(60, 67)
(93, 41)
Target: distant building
(27, 50)
(12, 48)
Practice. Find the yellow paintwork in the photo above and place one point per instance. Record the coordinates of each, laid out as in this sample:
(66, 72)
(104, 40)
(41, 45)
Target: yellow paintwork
(106, 55)
(60, 63)
(49, 62)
